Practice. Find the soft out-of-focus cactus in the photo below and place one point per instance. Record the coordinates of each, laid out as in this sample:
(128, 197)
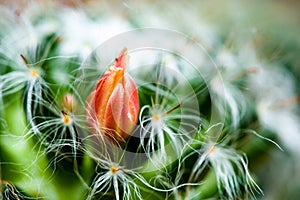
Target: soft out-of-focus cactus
(78, 121)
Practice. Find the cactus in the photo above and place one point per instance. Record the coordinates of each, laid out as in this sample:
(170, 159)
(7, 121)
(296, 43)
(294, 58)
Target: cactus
(94, 105)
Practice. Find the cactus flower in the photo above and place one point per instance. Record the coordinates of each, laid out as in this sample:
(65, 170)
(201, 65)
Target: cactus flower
(113, 106)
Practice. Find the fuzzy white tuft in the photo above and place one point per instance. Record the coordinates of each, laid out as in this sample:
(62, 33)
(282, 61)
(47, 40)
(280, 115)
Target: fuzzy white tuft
(231, 170)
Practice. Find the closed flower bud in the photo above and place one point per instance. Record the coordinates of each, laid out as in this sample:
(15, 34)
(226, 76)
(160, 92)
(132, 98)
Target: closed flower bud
(113, 106)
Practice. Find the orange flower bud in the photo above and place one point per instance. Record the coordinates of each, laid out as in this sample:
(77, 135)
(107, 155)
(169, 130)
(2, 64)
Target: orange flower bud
(114, 104)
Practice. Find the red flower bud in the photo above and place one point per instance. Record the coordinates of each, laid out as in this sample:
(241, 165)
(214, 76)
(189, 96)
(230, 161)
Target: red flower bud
(114, 104)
